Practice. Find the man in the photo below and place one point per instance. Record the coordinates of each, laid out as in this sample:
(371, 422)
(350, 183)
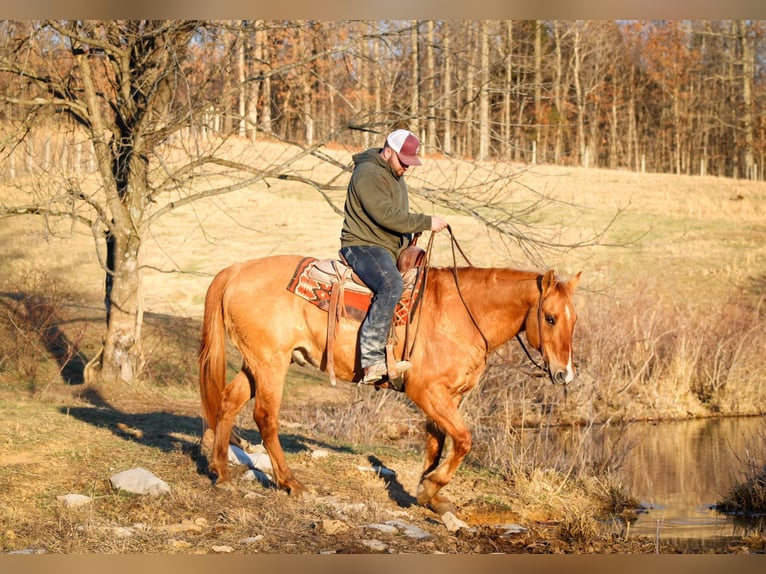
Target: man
(377, 225)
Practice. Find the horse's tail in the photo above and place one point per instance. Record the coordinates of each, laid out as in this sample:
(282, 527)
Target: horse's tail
(212, 351)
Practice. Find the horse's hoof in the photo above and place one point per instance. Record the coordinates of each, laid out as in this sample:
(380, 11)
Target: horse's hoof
(220, 479)
(442, 506)
(297, 490)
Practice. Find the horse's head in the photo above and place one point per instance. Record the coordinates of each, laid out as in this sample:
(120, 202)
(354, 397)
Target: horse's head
(550, 326)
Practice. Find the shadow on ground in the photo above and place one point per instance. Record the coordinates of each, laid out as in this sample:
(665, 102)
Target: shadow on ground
(168, 432)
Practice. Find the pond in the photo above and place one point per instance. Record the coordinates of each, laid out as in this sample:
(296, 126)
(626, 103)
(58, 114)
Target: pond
(680, 470)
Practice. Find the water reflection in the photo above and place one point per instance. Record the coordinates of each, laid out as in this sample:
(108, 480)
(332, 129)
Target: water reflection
(680, 470)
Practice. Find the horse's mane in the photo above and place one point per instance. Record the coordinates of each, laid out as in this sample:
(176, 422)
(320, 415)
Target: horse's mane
(485, 274)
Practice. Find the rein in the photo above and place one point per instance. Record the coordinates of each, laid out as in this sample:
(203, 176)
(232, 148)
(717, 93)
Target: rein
(456, 245)
(457, 284)
(459, 291)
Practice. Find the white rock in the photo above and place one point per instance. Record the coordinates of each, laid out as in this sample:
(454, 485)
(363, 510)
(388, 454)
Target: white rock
(375, 545)
(139, 481)
(409, 530)
(74, 500)
(453, 523)
(379, 470)
(387, 528)
(122, 531)
(258, 460)
(252, 539)
(511, 528)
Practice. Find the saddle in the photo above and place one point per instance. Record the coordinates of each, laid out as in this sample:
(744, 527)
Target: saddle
(331, 285)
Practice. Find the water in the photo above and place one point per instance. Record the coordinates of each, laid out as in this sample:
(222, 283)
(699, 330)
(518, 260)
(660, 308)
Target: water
(680, 470)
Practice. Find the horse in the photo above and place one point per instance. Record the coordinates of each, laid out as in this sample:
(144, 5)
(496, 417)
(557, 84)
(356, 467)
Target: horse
(464, 314)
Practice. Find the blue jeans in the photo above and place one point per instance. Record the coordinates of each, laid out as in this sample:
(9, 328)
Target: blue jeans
(377, 268)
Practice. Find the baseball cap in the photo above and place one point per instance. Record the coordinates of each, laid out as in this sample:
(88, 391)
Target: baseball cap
(405, 144)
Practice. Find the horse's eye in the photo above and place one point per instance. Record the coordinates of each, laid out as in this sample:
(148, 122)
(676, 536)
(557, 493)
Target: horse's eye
(550, 319)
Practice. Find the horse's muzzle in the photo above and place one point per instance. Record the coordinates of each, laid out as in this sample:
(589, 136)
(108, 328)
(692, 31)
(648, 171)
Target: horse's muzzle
(562, 376)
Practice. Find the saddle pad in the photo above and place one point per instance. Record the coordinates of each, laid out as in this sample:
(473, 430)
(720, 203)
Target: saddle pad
(313, 280)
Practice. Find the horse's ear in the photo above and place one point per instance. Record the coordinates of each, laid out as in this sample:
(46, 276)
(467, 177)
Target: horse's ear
(547, 282)
(574, 281)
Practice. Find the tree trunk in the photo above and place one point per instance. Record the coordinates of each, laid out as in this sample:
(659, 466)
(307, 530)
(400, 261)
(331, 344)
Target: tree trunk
(263, 55)
(484, 92)
(508, 94)
(430, 89)
(241, 75)
(558, 93)
(414, 124)
(539, 89)
(748, 66)
(253, 86)
(447, 92)
(579, 97)
(122, 358)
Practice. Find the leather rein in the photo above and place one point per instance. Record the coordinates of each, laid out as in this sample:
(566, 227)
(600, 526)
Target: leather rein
(456, 245)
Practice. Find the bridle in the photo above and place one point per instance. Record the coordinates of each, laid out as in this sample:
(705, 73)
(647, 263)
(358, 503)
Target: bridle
(545, 367)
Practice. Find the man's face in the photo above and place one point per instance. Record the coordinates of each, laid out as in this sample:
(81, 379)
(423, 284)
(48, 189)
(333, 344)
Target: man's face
(396, 165)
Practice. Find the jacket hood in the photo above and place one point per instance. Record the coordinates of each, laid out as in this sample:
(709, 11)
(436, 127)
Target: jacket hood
(371, 155)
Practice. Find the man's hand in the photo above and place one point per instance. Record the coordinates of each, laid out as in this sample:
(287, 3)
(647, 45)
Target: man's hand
(438, 223)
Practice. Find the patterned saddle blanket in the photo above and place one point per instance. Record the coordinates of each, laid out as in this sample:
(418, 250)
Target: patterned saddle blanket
(313, 280)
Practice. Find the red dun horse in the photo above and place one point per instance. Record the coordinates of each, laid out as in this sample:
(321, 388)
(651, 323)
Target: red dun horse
(464, 314)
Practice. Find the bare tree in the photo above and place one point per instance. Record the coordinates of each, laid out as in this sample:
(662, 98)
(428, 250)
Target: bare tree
(128, 88)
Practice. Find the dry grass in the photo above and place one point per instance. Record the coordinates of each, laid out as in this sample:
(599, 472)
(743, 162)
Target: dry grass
(748, 493)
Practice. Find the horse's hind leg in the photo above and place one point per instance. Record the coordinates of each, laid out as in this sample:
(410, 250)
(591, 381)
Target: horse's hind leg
(268, 400)
(233, 398)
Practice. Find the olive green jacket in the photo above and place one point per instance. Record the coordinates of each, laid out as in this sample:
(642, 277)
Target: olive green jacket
(377, 206)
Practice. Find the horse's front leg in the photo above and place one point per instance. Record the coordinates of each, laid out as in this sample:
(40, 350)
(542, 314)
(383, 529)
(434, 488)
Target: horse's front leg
(268, 400)
(434, 447)
(234, 397)
(445, 420)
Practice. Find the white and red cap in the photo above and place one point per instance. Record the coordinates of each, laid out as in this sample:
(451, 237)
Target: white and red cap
(405, 144)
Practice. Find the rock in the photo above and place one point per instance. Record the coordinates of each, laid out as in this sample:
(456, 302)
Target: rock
(375, 545)
(222, 549)
(74, 500)
(252, 539)
(320, 453)
(329, 526)
(509, 529)
(258, 460)
(453, 523)
(379, 470)
(409, 530)
(139, 481)
(256, 475)
(387, 528)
